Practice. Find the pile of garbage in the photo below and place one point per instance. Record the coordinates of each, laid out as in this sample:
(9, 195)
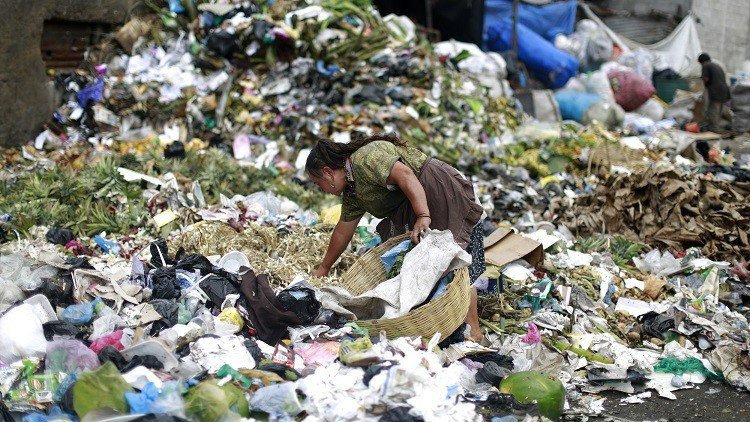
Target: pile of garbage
(157, 238)
(664, 208)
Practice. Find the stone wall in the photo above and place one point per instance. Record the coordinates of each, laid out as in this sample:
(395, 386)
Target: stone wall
(724, 30)
(25, 99)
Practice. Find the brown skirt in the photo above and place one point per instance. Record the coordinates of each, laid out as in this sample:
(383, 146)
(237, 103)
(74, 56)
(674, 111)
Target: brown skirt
(450, 198)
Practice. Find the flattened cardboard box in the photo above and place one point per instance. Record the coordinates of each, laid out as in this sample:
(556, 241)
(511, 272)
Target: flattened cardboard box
(504, 246)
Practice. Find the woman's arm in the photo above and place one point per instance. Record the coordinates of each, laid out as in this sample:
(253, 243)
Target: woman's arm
(340, 238)
(402, 176)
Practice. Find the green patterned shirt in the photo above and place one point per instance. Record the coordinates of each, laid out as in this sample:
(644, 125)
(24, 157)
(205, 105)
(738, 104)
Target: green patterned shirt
(371, 166)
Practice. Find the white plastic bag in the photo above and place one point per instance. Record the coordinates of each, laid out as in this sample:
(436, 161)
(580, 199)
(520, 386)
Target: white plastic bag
(652, 109)
(598, 83)
(21, 335)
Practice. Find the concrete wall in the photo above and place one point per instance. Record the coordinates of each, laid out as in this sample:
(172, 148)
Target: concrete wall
(724, 30)
(640, 7)
(25, 100)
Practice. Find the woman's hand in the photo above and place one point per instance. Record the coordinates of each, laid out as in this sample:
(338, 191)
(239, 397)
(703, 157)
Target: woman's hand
(321, 271)
(420, 228)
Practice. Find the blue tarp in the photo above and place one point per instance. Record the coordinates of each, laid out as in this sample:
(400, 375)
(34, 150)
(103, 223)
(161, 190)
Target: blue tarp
(546, 63)
(547, 21)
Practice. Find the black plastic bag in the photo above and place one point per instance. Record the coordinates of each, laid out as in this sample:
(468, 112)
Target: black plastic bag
(222, 43)
(59, 236)
(503, 361)
(301, 301)
(61, 328)
(160, 253)
(169, 311)
(455, 337)
(175, 150)
(491, 374)
(655, 325)
(159, 418)
(193, 262)
(283, 371)
(149, 361)
(369, 93)
(110, 354)
(252, 346)
(164, 283)
(217, 288)
(400, 414)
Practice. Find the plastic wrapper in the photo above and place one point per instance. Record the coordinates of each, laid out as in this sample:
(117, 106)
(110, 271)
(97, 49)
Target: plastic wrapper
(69, 356)
(150, 400)
(277, 400)
(105, 324)
(79, 314)
(209, 402)
(103, 387)
(113, 339)
(21, 334)
(10, 293)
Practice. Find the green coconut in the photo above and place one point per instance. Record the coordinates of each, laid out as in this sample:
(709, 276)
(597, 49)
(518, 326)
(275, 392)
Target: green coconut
(535, 387)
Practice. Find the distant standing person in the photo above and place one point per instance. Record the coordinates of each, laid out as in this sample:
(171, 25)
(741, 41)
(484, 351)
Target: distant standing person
(716, 87)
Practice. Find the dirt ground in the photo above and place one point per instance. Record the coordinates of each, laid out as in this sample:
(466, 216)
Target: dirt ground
(708, 402)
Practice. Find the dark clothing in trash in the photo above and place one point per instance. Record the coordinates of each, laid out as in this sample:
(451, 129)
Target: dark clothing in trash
(217, 288)
(164, 283)
(268, 317)
(111, 354)
(59, 236)
(715, 81)
(301, 301)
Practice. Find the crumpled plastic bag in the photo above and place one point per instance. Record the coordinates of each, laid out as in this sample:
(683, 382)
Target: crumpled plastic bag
(113, 339)
(10, 293)
(300, 300)
(105, 324)
(150, 400)
(59, 236)
(209, 402)
(21, 335)
(656, 263)
(277, 400)
(81, 313)
(104, 387)
(164, 283)
(69, 356)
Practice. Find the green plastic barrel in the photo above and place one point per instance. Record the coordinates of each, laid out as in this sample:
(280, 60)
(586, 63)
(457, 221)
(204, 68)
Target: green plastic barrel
(666, 87)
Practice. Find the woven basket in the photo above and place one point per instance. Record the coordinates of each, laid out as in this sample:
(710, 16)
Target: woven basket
(442, 315)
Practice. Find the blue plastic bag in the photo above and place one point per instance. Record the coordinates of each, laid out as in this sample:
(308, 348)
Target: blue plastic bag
(175, 6)
(151, 401)
(574, 104)
(549, 65)
(55, 415)
(81, 313)
(93, 92)
(107, 245)
(389, 258)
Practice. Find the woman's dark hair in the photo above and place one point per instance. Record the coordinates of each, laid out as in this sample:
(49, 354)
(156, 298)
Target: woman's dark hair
(327, 153)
